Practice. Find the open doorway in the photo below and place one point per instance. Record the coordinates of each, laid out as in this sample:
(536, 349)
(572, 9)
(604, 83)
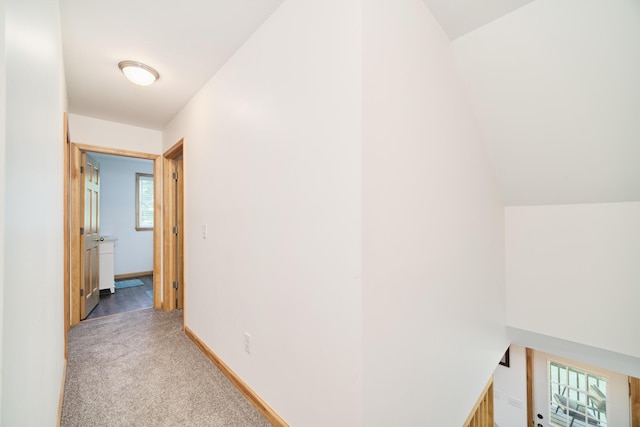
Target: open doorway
(76, 225)
(126, 213)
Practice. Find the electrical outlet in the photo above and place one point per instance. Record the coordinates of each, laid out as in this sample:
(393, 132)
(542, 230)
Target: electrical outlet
(247, 342)
(204, 231)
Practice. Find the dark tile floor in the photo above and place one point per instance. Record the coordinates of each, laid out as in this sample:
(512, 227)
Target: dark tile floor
(127, 299)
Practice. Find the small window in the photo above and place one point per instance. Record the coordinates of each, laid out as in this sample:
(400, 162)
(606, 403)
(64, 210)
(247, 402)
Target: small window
(578, 398)
(144, 201)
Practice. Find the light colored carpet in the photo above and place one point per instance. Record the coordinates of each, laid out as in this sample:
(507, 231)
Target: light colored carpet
(140, 369)
(132, 283)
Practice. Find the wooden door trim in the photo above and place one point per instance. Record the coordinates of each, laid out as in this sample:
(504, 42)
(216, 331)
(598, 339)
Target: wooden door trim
(272, 417)
(168, 297)
(175, 151)
(157, 232)
(72, 200)
(530, 420)
(76, 241)
(115, 151)
(180, 209)
(634, 401)
(169, 219)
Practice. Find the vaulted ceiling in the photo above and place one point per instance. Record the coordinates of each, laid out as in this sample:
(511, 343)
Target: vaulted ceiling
(187, 42)
(554, 84)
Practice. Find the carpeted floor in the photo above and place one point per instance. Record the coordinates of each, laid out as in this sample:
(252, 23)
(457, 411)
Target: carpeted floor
(140, 369)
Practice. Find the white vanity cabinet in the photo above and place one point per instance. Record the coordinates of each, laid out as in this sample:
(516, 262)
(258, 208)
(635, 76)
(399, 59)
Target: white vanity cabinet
(107, 252)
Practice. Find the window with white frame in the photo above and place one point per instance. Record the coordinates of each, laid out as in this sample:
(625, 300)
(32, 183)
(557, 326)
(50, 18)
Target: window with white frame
(577, 398)
(144, 201)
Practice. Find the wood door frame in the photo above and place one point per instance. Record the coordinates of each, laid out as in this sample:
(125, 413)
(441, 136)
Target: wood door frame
(169, 220)
(73, 222)
(634, 401)
(529, 356)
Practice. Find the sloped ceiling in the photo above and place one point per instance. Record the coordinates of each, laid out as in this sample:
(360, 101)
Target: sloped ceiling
(187, 41)
(554, 83)
(458, 17)
(556, 90)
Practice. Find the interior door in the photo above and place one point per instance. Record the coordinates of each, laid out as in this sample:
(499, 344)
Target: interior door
(90, 286)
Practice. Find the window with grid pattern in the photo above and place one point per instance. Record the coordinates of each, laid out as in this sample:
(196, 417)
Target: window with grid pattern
(577, 398)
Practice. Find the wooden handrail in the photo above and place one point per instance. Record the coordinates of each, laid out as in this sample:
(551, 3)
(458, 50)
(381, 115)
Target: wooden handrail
(482, 412)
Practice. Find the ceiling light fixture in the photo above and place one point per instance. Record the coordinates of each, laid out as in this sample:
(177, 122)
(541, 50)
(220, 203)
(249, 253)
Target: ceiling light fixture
(139, 73)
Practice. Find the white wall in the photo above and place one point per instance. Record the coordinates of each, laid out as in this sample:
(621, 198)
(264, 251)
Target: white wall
(33, 341)
(134, 249)
(87, 130)
(272, 165)
(2, 176)
(433, 228)
(555, 86)
(573, 273)
(510, 390)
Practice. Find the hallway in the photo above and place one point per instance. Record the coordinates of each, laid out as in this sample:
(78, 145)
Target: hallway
(140, 369)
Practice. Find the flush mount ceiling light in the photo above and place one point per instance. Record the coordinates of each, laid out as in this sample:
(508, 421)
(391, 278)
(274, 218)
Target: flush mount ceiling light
(139, 73)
